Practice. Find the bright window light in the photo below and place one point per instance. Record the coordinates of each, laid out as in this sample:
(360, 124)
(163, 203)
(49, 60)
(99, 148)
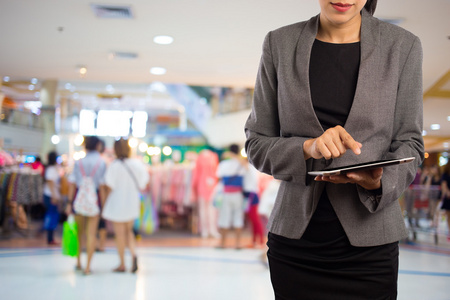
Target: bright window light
(113, 123)
(139, 124)
(87, 122)
(163, 39)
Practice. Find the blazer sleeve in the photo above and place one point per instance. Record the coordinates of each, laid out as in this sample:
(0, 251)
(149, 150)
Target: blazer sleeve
(271, 153)
(407, 138)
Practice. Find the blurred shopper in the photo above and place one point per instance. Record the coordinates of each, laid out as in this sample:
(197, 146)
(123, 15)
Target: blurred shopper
(94, 167)
(52, 196)
(102, 232)
(37, 165)
(433, 187)
(251, 202)
(445, 189)
(124, 178)
(203, 182)
(231, 172)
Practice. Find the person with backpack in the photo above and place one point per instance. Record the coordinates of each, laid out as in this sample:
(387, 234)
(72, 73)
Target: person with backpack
(86, 184)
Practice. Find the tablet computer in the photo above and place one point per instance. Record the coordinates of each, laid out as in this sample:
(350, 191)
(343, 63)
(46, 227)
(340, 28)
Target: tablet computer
(362, 166)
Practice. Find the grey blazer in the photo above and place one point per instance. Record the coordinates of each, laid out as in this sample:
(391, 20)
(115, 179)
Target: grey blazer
(386, 117)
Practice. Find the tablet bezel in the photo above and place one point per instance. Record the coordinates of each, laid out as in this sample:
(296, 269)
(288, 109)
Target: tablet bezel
(361, 166)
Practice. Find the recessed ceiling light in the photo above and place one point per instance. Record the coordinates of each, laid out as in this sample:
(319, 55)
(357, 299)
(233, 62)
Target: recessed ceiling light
(158, 71)
(34, 80)
(31, 87)
(448, 118)
(6, 79)
(67, 86)
(163, 39)
(435, 126)
(424, 133)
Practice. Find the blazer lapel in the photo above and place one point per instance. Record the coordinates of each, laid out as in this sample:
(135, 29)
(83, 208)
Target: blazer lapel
(303, 56)
(367, 76)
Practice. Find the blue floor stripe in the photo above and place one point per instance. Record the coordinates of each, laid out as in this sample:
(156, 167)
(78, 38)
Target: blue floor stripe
(38, 252)
(423, 273)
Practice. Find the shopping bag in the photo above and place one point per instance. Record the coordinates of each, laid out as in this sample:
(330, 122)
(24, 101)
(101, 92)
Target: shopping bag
(69, 243)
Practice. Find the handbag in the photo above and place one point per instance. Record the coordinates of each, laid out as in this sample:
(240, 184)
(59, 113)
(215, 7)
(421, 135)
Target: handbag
(69, 242)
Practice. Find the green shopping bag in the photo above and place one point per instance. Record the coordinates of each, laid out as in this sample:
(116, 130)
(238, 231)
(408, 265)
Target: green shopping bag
(70, 237)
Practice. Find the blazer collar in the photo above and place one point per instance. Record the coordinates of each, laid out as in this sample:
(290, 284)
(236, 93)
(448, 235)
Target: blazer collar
(370, 33)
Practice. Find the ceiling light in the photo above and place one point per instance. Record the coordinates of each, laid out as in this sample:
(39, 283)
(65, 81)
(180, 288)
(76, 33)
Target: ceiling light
(82, 71)
(37, 95)
(158, 71)
(435, 126)
(67, 86)
(34, 80)
(424, 133)
(448, 118)
(163, 39)
(6, 79)
(31, 87)
(446, 145)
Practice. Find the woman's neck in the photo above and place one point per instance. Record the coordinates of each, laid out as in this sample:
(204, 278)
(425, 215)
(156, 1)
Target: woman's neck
(348, 32)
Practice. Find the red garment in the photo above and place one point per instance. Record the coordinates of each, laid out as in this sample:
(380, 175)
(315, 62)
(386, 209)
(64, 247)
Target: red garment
(204, 174)
(257, 227)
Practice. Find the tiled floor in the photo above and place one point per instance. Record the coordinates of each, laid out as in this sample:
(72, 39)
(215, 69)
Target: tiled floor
(186, 267)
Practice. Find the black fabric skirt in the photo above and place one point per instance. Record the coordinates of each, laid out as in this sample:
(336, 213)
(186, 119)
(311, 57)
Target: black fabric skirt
(302, 269)
(446, 204)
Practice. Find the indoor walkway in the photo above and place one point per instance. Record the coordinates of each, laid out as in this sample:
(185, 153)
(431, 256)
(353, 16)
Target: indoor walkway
(188, 268)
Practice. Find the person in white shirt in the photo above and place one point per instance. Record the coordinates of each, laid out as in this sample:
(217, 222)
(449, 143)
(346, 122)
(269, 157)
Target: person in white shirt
(231, 172)
(124, 179)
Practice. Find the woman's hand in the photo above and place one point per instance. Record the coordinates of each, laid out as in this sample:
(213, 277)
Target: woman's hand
(333, 143)
(368, 179)
(68, 210)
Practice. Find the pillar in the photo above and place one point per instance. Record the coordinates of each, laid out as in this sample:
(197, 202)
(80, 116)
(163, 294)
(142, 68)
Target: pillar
(48, 99)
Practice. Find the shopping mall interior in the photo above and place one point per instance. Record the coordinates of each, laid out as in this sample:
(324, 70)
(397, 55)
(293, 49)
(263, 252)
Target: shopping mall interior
(176, 80)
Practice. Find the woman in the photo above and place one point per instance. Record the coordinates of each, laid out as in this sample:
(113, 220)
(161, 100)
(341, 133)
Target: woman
(445, 188)
(124, 179)
(341, 81)
(94, 167)
(51, 197)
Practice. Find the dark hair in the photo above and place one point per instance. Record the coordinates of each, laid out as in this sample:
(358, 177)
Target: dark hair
(38, 159)
(234, 148)
(370, 6)
(122, 149)
(90, 143)
(102, 145)
(51, 158)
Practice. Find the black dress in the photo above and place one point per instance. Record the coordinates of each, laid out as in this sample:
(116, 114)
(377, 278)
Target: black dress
(323, 264)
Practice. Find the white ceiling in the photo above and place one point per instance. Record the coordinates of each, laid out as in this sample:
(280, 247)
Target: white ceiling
(217, 43)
